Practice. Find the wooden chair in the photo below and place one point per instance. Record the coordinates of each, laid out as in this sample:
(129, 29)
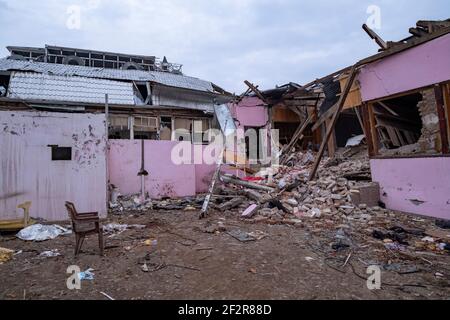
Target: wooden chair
(85, 224)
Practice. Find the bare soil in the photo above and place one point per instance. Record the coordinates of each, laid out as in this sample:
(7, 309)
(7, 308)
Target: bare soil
(291, 262)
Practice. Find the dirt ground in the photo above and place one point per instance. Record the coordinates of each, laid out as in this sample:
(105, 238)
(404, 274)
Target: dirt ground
(290, 262)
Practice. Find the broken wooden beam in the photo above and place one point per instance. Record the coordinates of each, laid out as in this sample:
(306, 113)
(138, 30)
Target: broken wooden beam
(375, 37)
(330, 129)
(256, 91)
(246, 184)
(440, 104)
(233, 203)
(297, 136)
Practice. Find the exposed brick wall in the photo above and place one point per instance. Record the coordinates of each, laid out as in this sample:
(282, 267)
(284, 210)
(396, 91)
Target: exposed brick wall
(430, 141)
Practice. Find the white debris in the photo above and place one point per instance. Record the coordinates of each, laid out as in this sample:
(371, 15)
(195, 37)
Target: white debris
(119, 228)
(50, 254)
(39, 232)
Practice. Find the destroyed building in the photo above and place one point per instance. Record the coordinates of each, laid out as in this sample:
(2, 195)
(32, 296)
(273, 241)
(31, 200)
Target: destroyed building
(60, 106)
(397, 102)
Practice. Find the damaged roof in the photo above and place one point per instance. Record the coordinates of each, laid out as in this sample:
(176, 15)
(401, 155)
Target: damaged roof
(164, 78)
(35, 86)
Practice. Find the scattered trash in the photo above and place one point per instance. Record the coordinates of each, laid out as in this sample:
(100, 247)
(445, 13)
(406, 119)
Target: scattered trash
(145, 268)
(252, 270)
(86, 275)
(114, 228)
(444, 224)
(242, 236)
(151, 242)
(401, 268)
(309, 259)
(250, 211)
(395, 246)
(343, 241)
(39, 232)
(5, 255)
(428, 239)
(50, 254)
(258, 235)
(108, 296)
(396, 235)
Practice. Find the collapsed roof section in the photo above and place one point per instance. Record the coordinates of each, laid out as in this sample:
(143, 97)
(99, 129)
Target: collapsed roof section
(167, 79)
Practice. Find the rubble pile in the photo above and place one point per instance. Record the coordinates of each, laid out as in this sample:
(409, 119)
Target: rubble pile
(342, 207)
(294, 197)
(135, 203)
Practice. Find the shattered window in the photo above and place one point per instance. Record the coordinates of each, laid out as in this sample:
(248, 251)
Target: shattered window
(165, 128)
(119, 127)
(146, 128)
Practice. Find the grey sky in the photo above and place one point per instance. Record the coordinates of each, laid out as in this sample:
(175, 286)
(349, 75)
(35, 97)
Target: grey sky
(224, 41)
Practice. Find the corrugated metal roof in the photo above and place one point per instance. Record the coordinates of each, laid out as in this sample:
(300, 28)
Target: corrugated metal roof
(168, 79)
(35, 86)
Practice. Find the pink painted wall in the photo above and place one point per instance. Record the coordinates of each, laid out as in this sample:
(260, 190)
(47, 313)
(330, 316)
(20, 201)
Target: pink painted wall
(415, 68)
(165, 179)
(250, 112)
(26, 166)
(422, 179)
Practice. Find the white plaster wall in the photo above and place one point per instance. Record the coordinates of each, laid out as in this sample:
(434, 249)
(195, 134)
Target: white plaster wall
(26, 167)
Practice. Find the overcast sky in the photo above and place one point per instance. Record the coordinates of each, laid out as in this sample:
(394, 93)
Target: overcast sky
(224, 41)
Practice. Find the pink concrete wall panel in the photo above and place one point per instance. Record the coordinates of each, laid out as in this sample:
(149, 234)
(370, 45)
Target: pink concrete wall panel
(27, 170)
(165, 179)
(250, 112)
(415, 68)
(415, 185)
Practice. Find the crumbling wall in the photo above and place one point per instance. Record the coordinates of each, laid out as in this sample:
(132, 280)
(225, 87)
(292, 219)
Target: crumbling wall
(28, 173)
(430, 141)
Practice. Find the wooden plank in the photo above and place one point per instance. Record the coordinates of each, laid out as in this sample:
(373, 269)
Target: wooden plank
(393, 137)
(256, 91)
(368, 132)
(328, 114)
(383, 45)
(439, 94)
(382, 104)
(403, 142)
(361, 123)
(331, 142)
(447, 105)
(333, 122)
(373, 129)
(297, 136)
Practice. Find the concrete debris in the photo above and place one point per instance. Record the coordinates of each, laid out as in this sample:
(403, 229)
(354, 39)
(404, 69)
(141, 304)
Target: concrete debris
(5, 255)
(39, 232)
(50, 254)
(114, 228)
(243, 236)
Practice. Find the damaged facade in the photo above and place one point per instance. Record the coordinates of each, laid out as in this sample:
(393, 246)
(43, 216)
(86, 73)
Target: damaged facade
(397, 102)
(71, 120)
